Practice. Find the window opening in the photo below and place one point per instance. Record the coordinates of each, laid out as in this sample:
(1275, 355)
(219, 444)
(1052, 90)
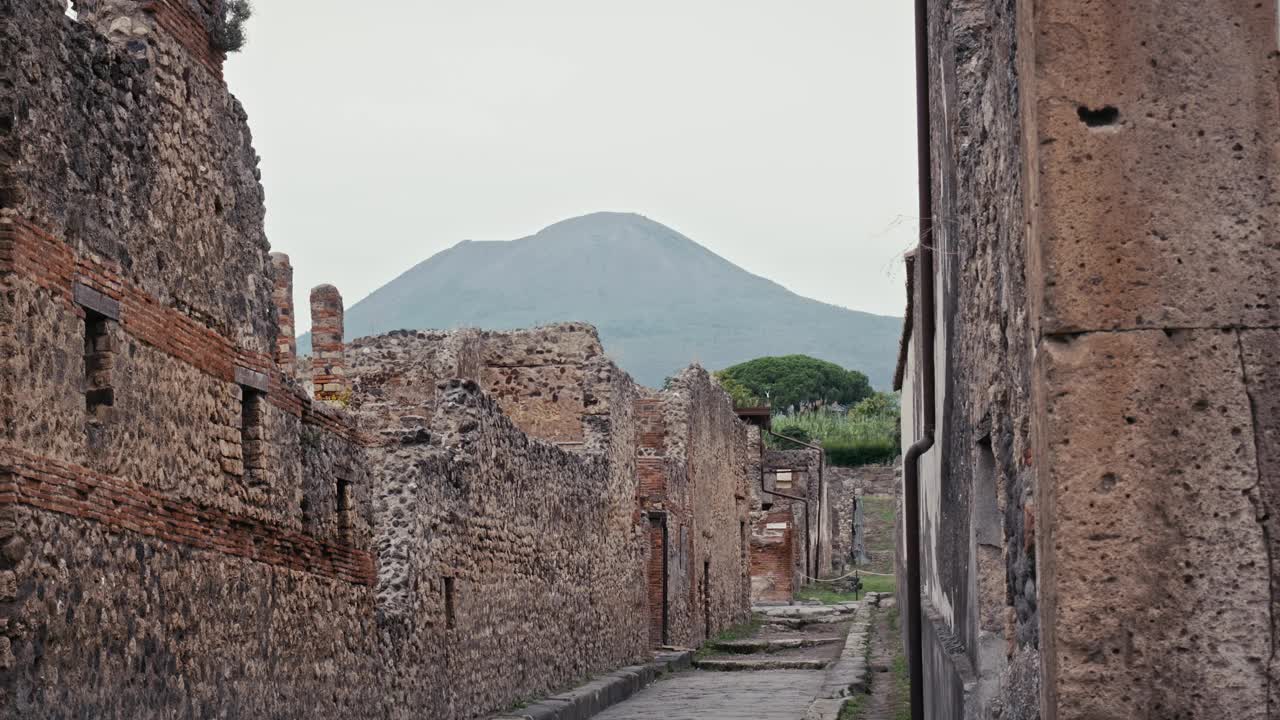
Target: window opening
(450, 618)
(252, 442)
(99, 356)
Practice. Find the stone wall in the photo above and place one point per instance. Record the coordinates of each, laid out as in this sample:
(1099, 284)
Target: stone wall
(161, 181)
(811, 537)
(516, 566)
(184, 532)
(168, 497)
(541, 377)
(693, 466)
(977, 482)
(848, 485)
(1104, 231)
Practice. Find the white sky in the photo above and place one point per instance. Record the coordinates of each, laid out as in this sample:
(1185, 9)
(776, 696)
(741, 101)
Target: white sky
(778, 133)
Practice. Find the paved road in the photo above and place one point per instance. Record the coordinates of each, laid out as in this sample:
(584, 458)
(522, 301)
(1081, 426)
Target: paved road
(705, 695)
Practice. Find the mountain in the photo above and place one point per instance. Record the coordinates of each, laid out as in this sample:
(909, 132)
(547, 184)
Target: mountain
(659, 300)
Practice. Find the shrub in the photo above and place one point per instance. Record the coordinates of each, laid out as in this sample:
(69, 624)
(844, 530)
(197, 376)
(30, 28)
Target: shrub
(869, 433)
(228, 31)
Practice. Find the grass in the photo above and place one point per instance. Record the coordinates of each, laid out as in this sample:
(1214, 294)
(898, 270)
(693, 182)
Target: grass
(852, 708)
(900, 675)
(879, 583)
(828, 596)
(824, 594)
(737, 632)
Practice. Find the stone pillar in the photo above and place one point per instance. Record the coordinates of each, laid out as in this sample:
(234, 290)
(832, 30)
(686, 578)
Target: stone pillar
(282, 294)
(1152, 165)
(328, 374)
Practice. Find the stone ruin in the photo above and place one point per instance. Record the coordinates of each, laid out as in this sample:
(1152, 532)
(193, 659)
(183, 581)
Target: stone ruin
(193, 522)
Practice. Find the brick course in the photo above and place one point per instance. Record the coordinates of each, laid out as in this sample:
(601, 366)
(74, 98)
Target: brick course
(119, 504)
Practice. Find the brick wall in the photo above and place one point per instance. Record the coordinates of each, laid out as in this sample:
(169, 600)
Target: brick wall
(774, 552)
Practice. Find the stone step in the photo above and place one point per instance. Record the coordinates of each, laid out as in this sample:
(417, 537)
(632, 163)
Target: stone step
(759, 645)
(805, 611)
(794, 623)
(594, 697)
(733, 664)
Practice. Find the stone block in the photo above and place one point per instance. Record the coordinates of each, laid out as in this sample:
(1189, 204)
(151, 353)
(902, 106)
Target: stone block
(1157, 164)
(1147, 531)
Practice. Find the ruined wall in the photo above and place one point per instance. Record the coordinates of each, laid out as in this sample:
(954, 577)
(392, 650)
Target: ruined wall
(394, 376)
(775, 553)
(154, 476)
(518, 564)
(161, 179)
(812, 539)
(847, 486)
(982, 579)
(541, 377)
(693, 464)
(537, 375)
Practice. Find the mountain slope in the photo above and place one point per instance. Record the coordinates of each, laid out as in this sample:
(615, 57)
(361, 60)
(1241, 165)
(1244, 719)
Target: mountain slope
(659, 300)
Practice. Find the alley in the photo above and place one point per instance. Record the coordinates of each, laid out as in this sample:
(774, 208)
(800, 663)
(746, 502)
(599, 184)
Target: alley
(795, 662)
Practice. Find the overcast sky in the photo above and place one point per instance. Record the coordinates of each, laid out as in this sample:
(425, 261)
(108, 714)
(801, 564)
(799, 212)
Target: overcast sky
(778, 133)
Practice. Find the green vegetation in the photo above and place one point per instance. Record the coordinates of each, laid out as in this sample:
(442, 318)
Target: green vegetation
(852, 708)
(824, 594)
(794, 381)
(868, 433)
(901, 683)
(228, 32)
(737, 632)
(879, 583)
(828, 595)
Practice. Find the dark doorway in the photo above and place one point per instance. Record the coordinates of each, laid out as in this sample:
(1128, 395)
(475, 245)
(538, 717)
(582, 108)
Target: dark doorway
(706, 597)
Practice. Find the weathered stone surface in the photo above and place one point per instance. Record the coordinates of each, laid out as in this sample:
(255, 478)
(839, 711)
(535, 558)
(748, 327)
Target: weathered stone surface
(707, 504)
(1148, 471)
(1261, 349)
(159, 153)
(1156, 136)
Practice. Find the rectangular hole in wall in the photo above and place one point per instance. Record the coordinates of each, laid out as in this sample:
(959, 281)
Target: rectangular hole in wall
(450, 611)
(99, 357)
(252, 441)
(342, 493)
(706, 598)
(986, 510)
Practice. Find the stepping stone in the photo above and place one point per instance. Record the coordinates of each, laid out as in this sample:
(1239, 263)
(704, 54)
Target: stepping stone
(765, 664)
(747, 647)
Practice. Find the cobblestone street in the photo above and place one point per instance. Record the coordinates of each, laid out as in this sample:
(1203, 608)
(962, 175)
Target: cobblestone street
(706, 695)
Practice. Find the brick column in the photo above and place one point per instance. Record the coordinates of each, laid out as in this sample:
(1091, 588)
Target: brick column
(282, 294)
(328, 374)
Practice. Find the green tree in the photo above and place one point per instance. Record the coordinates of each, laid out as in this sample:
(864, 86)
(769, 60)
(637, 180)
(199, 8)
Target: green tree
(878, 405)
(798, 381)
(741, 394)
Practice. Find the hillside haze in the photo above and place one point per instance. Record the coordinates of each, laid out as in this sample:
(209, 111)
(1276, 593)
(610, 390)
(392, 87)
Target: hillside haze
(659, 300)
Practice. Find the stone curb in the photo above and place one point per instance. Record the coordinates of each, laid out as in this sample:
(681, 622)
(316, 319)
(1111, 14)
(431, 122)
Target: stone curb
(848, 675)
(606, 691)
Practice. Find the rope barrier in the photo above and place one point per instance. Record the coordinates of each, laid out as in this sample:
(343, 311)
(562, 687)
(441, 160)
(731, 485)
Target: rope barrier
(842, 577)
